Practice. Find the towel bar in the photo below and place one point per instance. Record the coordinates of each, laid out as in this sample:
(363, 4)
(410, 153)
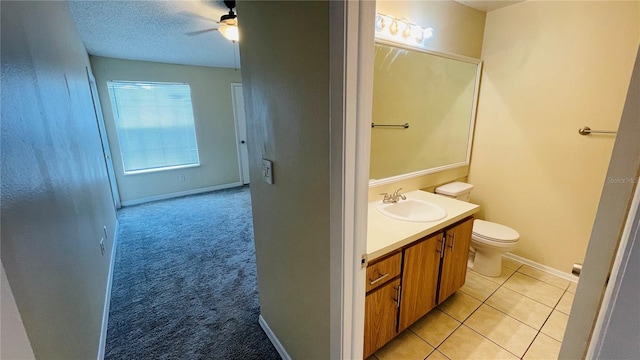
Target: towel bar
(404, 126)
(585, 130)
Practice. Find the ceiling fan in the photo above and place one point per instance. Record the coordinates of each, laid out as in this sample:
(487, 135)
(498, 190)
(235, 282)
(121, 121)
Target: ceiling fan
(228, 24)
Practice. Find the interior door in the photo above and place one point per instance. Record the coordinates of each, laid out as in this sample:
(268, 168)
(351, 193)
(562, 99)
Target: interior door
(103, 139)
(241, 131)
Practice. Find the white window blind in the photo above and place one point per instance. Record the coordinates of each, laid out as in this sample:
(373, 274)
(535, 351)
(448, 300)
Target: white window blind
(155, 126)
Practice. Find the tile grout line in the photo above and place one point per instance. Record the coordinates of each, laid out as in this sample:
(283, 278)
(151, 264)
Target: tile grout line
(525, 295)
(445, 339)
(545, 321)
(522, 322)
(535, 278)
(484, 302)
(473, 312)
(465, 319)
(531, 344)
(495, 343)
(554, 309)
(538, 331)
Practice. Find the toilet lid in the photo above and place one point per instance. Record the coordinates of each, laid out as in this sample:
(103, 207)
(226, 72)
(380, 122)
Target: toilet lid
(494, 232)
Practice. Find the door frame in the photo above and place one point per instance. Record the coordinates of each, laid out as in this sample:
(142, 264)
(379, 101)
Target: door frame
(243, 165)
(351, 98)
(607, 229)
(102, 131)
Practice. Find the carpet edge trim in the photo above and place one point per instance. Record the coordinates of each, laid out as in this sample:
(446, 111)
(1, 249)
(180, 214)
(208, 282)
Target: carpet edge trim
(273, 338)
(179, 193)
(107, 298)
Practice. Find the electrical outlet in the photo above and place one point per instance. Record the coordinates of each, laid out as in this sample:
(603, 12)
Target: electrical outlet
(267, 171)
(102, 246)
(181, 177)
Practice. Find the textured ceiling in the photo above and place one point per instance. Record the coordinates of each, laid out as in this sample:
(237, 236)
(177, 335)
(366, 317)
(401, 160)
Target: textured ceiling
(155, 30)
(488, 5)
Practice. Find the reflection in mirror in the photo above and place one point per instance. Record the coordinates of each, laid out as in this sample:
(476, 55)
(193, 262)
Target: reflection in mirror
(436, 95)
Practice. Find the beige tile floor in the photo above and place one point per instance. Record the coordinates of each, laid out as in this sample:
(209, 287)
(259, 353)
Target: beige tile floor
(519, 315)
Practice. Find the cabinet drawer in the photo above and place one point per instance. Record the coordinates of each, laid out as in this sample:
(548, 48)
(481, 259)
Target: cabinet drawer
(383, 271)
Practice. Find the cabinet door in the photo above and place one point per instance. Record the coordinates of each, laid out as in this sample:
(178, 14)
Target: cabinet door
(381, 314)
(419, 280)
(454, 261)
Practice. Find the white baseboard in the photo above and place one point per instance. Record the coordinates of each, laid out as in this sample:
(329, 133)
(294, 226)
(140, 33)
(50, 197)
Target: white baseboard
(544, 268)
(274, 340)
(107, 297)
(180, 193)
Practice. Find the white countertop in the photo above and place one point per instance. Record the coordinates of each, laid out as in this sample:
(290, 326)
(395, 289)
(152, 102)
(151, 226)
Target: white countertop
(386, 234)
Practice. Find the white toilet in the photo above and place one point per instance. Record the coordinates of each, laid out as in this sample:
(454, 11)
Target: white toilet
(489, 240)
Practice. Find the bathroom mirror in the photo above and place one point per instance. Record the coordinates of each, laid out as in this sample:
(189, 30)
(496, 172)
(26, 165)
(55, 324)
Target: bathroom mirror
(435, 95)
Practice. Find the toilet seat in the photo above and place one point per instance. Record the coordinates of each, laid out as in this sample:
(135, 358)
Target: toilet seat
(489, 231)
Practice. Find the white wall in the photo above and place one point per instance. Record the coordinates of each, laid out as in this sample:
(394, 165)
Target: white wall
(14, 343)
(286, 88)
(213, 118)
(550, 67)
(55, 191)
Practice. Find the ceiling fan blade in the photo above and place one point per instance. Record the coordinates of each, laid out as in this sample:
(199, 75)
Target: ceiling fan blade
(192, 33)
(192, 14)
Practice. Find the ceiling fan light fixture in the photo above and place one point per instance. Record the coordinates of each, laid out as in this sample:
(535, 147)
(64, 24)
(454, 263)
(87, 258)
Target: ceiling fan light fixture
(230, 32)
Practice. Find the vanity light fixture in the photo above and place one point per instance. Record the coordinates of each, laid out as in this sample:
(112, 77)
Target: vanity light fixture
(401, 29)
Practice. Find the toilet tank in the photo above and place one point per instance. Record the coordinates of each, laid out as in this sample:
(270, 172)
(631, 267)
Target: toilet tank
(457, 190)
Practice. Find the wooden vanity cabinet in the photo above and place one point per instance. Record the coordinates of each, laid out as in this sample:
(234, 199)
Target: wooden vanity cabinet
(406, 285)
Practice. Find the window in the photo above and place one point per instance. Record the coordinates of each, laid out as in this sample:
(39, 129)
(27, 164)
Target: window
(155, 126)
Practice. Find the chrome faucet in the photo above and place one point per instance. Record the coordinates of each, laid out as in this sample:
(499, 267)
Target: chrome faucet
(393, 198)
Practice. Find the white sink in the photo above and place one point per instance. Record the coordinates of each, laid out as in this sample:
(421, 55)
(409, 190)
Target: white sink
(412, 210)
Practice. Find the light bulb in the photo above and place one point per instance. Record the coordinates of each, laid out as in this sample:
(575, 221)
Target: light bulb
(406, 33)
(380, 23)
(417, 33)
(427, 33)
(393, 28)
(230, 32)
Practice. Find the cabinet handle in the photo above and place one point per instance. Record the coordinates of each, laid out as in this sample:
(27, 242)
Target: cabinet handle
(371, 282)
(398, 295)
(453, 240)
(444, 241)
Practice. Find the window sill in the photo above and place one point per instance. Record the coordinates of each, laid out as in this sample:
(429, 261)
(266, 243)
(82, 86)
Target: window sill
(167, 168)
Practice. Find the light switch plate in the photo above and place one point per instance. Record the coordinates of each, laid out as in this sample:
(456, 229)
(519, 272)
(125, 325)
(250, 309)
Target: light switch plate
(267, 171)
